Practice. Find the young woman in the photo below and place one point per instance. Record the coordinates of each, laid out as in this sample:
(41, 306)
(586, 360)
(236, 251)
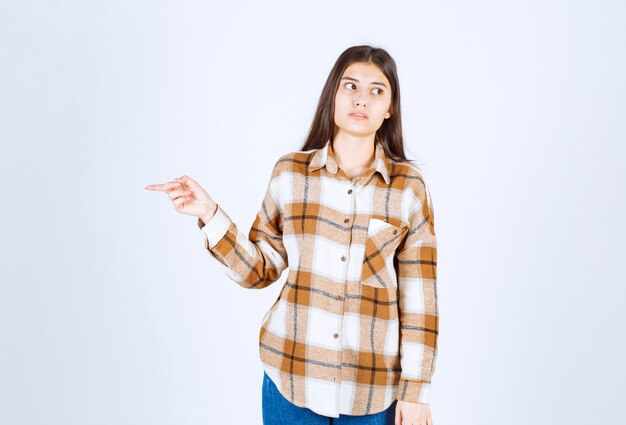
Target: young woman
(352, 336)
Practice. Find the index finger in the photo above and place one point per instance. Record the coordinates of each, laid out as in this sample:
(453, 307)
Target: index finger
(162, 187)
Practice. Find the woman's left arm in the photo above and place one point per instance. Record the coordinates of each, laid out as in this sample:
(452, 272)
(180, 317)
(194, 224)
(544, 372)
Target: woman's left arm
(419, 318)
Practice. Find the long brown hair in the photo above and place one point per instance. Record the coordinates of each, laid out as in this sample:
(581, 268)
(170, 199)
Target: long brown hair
(389, 135)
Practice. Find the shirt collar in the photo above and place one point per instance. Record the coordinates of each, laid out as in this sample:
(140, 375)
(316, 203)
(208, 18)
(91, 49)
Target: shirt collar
(325, 157)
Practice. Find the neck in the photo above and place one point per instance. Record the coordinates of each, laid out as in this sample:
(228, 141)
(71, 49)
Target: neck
(354, 152)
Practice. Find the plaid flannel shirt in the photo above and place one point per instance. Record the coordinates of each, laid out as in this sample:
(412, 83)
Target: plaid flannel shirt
(355, 325)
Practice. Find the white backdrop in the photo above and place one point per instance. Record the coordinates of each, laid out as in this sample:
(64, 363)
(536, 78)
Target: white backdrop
(111, 312)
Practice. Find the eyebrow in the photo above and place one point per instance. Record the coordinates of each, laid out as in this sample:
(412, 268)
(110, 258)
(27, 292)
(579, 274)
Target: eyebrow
(373, 82)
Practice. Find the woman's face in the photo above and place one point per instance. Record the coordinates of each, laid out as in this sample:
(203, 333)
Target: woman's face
(363, 89)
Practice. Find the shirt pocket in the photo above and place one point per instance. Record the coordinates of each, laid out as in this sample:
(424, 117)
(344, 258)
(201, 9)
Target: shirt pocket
(378, 259)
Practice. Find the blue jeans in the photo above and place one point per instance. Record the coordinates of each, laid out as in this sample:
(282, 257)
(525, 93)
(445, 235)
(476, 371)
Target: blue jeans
(277, 410)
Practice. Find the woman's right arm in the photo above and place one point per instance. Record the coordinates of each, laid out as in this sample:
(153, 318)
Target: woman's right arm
(255, 260)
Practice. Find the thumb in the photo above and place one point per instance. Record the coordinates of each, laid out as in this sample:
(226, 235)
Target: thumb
(398, 419)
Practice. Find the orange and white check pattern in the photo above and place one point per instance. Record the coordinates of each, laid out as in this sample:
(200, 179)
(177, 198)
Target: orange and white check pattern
(355, 325)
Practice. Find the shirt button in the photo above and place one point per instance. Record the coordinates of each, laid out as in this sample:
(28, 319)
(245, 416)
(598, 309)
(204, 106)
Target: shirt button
(346, 220)
(349, 190)
(339, 298)
(335, 335)
(343, 258)
(395, 231)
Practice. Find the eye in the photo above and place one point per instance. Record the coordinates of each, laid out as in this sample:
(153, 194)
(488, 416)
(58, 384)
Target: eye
(347, 84)
(381, 90)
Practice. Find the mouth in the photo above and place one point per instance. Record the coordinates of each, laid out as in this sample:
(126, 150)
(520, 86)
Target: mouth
(358, 115)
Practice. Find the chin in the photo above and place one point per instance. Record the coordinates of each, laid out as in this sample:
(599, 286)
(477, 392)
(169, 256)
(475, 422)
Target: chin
(356, 127)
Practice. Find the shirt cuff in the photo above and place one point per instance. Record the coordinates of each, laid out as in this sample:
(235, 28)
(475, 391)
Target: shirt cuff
(414, 391)
(215, 229)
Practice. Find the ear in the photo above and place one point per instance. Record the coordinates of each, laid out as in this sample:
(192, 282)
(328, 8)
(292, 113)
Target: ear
(389, 112)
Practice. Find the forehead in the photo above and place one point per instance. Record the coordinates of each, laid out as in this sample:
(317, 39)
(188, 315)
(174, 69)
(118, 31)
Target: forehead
(365, 73)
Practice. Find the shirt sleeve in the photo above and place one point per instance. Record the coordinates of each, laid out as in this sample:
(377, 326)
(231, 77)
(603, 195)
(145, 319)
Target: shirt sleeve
(257, 259)
(417, 285)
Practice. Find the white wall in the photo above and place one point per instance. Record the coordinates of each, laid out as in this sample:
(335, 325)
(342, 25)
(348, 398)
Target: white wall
(112, 313)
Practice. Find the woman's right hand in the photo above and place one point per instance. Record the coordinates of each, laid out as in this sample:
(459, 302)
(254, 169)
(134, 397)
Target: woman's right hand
(188, 197)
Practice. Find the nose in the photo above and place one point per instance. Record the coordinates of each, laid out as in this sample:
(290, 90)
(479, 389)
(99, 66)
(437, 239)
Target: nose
(359, 99)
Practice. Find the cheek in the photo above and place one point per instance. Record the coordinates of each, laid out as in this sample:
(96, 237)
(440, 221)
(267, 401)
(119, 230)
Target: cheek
(383, 109)
(337, 109)
(340, 107)
(339, 102)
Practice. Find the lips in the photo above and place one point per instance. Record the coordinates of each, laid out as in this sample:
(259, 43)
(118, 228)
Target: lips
(356, 114)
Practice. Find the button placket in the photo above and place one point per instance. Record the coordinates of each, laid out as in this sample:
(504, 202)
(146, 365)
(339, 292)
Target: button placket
(344, 258)
(347, 220)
